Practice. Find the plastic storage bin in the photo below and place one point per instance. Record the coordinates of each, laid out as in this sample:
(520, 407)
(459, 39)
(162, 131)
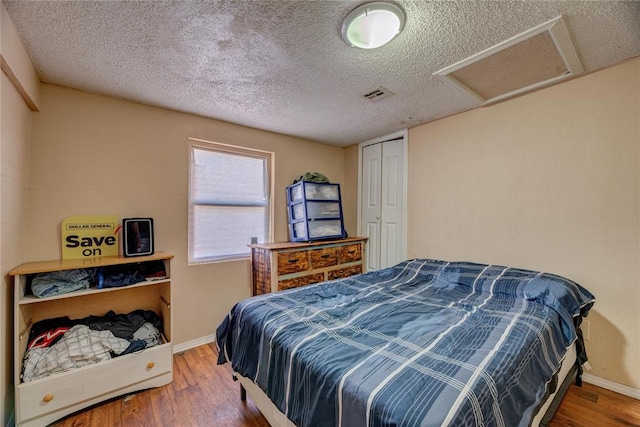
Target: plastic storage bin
(315, 211)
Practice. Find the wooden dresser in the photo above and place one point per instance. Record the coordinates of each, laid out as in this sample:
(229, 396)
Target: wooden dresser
(285, 265)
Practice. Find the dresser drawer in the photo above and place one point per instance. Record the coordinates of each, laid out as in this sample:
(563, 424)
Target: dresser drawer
(50, 394)
(349, 253)
(300, 281)
(132, 368)
(344, 272)
(323, 257)
(292, 262)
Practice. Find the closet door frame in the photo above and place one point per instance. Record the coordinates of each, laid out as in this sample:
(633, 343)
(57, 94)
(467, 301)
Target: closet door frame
(405, 140)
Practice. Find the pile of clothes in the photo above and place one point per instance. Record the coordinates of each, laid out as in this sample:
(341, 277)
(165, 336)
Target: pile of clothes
(65, 281)
(60, 344)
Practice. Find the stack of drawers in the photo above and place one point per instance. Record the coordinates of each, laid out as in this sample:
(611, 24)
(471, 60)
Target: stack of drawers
(315, 212)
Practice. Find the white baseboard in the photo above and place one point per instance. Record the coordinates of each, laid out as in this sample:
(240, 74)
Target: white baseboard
(179, 348)
(610, 385)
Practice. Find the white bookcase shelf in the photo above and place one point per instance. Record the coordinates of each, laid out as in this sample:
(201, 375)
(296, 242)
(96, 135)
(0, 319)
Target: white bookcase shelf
(42, 401)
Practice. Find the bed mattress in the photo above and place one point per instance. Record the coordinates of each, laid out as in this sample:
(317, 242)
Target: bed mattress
(426, 342)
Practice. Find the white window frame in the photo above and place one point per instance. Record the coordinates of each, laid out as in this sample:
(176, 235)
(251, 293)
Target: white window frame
(199, 144)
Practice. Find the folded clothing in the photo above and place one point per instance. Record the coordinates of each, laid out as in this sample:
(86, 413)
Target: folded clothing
(117, 275)
(61, 282)
(114, 276)
(65, 281)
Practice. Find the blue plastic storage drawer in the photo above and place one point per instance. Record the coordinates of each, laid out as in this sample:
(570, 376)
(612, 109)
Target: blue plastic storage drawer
(315, 211)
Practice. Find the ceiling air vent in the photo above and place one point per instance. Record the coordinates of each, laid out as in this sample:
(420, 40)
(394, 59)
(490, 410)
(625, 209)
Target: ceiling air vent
(378, 94)
(536, 58)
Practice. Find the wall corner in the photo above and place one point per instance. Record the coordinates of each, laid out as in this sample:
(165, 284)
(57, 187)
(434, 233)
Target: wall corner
(15, 62)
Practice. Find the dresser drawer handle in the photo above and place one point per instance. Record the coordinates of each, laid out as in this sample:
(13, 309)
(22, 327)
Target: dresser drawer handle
(325, 256)
(150, 365)
(351, 252)
(292, 261)
(48, 397)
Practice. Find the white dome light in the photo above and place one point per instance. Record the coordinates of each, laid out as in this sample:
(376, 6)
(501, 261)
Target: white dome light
(372, 25)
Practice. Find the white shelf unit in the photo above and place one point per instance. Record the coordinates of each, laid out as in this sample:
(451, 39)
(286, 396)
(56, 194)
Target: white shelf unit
(42, 401)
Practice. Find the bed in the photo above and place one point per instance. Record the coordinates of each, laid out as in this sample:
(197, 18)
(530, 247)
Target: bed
(426, 342)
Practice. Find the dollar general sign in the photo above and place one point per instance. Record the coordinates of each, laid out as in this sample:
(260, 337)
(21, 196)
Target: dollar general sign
(88, 236)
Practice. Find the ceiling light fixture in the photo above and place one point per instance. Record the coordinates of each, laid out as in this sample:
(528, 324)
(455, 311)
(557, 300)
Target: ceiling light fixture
(372, 25)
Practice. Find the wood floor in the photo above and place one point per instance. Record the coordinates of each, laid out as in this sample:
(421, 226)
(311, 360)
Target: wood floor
(203, 394)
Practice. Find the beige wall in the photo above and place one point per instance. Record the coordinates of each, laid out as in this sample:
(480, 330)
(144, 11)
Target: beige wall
(98, 155)
(349, 190)
(19, 92)
(548, 181)
(14, 187)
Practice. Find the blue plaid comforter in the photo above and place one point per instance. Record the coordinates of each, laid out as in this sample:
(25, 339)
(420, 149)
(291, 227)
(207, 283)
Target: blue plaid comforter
(423, 343)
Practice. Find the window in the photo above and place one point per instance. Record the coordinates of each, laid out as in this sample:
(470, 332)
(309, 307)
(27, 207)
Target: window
(229, 201)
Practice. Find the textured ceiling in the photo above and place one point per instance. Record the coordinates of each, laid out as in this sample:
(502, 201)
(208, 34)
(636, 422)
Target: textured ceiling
(281, 65)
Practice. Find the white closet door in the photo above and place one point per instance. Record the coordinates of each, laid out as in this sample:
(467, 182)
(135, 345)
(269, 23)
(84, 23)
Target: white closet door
(392, 244)
(383, 200)
(371, 202)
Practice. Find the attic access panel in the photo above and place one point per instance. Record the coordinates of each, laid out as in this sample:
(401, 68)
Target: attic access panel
(536, 58)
